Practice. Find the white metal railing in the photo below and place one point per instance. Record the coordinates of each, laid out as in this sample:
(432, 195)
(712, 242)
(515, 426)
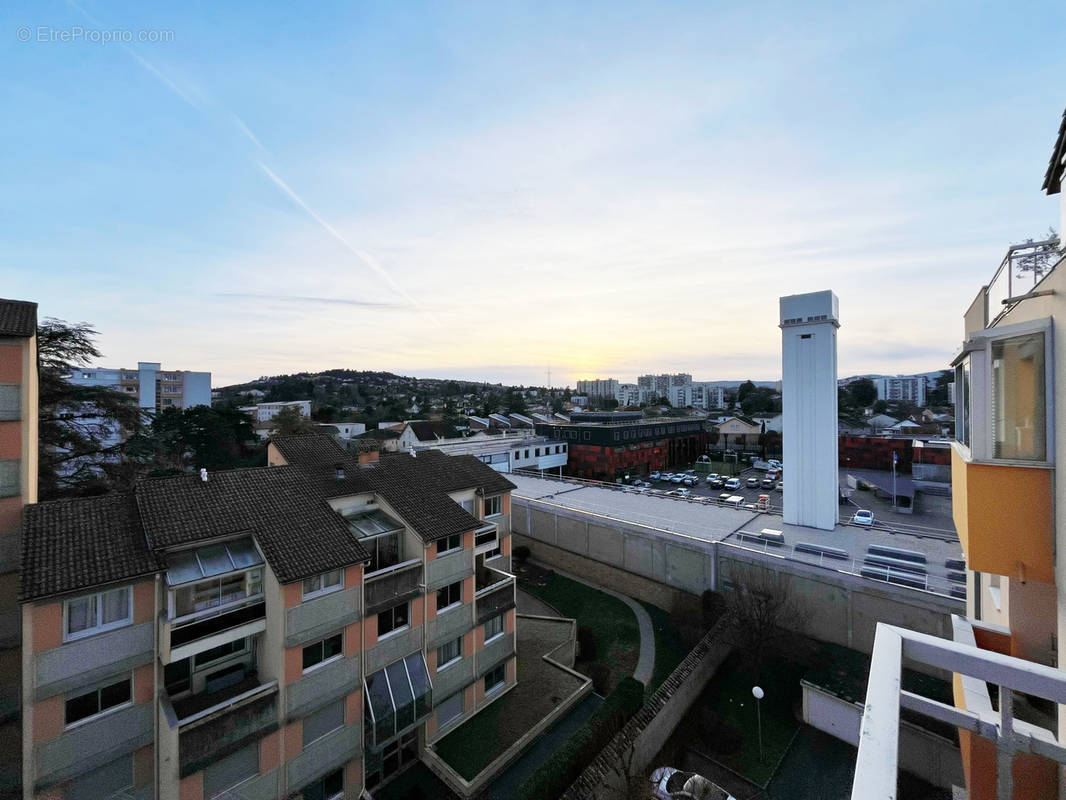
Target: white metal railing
(877, 761)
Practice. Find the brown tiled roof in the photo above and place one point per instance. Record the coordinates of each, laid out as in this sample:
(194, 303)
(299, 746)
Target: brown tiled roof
(78, 544)
(1053, 176)
(417, 487)
(299, 534)
(18, 318)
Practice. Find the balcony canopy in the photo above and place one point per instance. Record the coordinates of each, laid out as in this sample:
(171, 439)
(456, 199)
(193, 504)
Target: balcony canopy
(188, 566)
(372, 523)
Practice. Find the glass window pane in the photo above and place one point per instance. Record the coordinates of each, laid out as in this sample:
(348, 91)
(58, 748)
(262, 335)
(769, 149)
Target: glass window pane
(331, 647)
(381, 705)
(243, 553)
(312, 654)
(232, 588)
(182, 568)
(1018, 398)
(116, 605)
(115, 695)
(401, 694)
(312, 584)
(416, 669)
(214, 559)
(81, 614)
(82, 706)
(176, 676)
(205, 595)
(332, 578)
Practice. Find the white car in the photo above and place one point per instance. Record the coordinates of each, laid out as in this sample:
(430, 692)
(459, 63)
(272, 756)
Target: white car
(863, 517)
(655, 475)
(732, 483)
(672, 784)
(677, 478)
(683, 492)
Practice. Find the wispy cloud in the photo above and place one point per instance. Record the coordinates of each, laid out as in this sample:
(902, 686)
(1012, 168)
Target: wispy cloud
(338, 301)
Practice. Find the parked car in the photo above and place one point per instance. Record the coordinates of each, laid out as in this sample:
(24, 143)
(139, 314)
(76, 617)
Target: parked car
(712, 476)
(772, 474)
(690, 472)
(683, 492)
(753, 483)
(691, 480)
(677, 478)
(732, 483)
(665, 476)
(780, 486)
(655, 475)
(768, 483)
(863, 517)
(716, 483)
(774, 463)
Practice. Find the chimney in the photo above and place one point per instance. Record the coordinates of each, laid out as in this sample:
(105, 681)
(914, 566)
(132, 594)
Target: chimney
(339, 471)
(203, 474)
(368, 452)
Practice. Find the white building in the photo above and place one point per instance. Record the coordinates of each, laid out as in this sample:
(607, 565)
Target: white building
(265, 412)
(699, 394)
(628, 394)
(599, 388)
(508, 452)
(909, 388)
(809, 325)
(156, 389)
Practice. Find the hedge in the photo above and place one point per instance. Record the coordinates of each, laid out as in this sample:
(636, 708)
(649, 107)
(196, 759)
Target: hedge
(554, 776)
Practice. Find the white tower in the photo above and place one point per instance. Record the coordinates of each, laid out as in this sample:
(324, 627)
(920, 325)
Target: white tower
(809, 325)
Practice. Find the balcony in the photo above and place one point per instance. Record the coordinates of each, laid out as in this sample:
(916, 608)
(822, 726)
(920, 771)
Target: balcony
(98, 742)
(180, 640)
(392, 585)
(452, 678)
(224, 720)
(1004, 518)
(86, 661)
(495, 651)
(449, 625)
(316, 618)
(1004, 755)
(495, 593)
(486, 538)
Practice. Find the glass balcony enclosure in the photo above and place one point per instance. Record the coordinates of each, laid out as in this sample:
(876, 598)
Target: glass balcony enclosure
(396, 698)
(381, 535)
(213, 579)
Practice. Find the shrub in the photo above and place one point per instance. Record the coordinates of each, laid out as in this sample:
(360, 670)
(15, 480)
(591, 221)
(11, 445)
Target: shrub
(601, 675)
(712, 606)
(521, 554)
(586, 643)
(564, 766)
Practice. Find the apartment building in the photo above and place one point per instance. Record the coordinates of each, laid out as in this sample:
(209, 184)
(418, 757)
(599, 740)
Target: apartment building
(18, 486)
(909, 388)
(659, 385)
(600, 388)
(1007, 655)
(297, 630)
(156, 389)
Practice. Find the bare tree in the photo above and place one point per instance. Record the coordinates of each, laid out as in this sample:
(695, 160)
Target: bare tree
(762, 614)
(1039, 257)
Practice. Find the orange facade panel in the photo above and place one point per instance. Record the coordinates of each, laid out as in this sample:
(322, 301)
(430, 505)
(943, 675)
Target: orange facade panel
(1004, 518)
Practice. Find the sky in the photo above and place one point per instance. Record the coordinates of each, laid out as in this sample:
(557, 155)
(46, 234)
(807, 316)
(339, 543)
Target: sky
(491, 190)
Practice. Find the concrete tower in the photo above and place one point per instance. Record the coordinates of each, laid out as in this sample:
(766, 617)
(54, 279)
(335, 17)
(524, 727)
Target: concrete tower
(809, 325)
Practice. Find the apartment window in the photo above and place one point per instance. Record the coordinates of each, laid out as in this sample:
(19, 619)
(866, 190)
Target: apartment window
(962, 401)
(214, 577)
(222, 651)
(527, 453)
(494, 627)
(449, 543)
(1019, 402)
(320, 652)
(323, 721)
(449, 653)
(493, 506)
(381, 535)
(450, 595)
(323, 584)
(494, 678)
(468, 505)
(95, 613)
(392, 619)
(536, 452)
(449, 709)
(385, 551)
(227, 772)
(330, 787)
(90, 704)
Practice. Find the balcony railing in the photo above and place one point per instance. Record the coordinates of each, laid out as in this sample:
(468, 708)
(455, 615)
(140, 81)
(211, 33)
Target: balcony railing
(181, 634)
(1010, 280)
(495, 599)
(877, 760)
(387, 587)
(488, 577)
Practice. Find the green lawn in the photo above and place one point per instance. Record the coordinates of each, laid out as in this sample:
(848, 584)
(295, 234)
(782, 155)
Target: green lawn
(729, 696)
(465, 749)
(613, 624)
(669, 649)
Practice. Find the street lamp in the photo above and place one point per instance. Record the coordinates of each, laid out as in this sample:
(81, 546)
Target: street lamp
(758, 693)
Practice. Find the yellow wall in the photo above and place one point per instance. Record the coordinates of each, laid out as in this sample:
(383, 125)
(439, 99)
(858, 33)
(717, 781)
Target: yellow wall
(1004, 518)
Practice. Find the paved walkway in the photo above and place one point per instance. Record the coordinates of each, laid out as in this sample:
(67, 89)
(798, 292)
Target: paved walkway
(646, 663)
(534, 606)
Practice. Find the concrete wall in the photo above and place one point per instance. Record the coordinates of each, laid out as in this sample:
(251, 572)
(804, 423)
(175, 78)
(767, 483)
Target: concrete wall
(932, 758)
(671, 571)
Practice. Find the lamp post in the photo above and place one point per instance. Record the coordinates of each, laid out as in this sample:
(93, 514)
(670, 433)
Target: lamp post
(758, 694)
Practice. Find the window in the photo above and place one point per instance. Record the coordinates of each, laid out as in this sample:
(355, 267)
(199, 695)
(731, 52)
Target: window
(493, 506)
(89, 704)
(213, 577)
(323, 721)
(323, 584)
(385, 551)
(449, 709)
(494, 678)
(494, 627)
(962, 401)
(330, 787)
(392, 619)
(450, 595)
(218, 653)
(397, 696)
(536, 452)
(229, 771)
(1019, 403)
(323, 651)
(381, 535)
(450, 652)
(449, 543)
(96, 613)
